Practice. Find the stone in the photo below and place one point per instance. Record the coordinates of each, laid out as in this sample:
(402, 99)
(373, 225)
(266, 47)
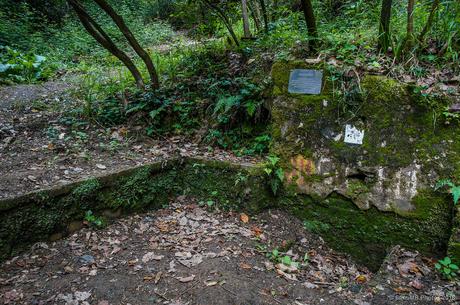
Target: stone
(375, 194)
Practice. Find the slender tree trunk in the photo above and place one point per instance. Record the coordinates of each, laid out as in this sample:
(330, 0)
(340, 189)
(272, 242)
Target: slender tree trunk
(309, 15)
(429, 22)
(384, 26)
(255, 13)
(264, 14)
(408, 42)
(244, 12)
(410, 23)
(224, 18)
(132, 41)
(275, 10)
(104, 40)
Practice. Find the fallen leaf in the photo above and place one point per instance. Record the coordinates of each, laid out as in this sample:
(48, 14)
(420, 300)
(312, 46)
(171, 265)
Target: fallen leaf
(211, 283)
(148, 278)
(288, 276)
(245, 266)
(186, 279)
(82, 295)
(313, 61)
(12, 296)
(310, 285)
(361, 279)
(416, 284)
(289, 269)
(408, 267)
(257, 231)
(158, 277)
(101, 166)
(401, 289)
(244, 218)
(151, 256)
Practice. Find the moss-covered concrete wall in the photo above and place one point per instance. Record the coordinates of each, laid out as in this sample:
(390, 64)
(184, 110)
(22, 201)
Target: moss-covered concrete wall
(57, 212)
(376, 194)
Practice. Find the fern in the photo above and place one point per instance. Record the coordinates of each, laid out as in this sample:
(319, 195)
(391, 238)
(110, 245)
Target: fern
(453, 189)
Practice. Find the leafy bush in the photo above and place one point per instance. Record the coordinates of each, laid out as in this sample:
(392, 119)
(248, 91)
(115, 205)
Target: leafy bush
(19, 67)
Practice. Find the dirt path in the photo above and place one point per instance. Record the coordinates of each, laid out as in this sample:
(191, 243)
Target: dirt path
(186, 255)
(18, 95)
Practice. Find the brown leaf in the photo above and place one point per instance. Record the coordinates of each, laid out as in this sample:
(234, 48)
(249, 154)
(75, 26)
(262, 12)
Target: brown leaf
(158, 277)
(408, 267)
(244, 218)
(148, 278)
(401, 289)
(257, 231)
(416, 284)
(245, 266)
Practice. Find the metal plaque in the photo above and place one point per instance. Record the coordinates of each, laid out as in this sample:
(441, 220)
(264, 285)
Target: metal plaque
(302, 81)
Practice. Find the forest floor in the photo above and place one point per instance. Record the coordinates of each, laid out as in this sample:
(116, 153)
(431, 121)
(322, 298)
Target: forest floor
(185, 254)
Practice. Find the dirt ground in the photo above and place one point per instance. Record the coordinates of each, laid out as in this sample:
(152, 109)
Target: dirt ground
(186, 254)
(38, 149)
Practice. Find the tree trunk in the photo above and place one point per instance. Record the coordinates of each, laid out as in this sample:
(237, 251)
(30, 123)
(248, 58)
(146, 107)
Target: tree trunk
(132, 41)
(244, 12)
(429, 22)
(410, 23)
(408, 42)
(264, 14)
(310, 20)
(384, 26)
(255, 13)
(224, 18)
(104, 40)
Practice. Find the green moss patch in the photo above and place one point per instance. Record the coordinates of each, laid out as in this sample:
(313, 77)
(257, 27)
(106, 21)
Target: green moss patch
(367, 234)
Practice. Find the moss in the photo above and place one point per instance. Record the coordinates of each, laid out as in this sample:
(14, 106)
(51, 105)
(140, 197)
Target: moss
(86, 189)
(232, 187)
(367, 234)
(356, 187)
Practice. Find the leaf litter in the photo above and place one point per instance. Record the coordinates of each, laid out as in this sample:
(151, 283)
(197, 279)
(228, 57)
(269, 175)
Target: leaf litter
(185, 254)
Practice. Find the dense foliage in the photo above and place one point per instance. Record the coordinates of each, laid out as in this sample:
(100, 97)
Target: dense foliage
(213, 82)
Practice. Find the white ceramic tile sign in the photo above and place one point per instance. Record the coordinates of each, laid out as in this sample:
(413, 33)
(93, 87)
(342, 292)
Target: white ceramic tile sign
(353, 135)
